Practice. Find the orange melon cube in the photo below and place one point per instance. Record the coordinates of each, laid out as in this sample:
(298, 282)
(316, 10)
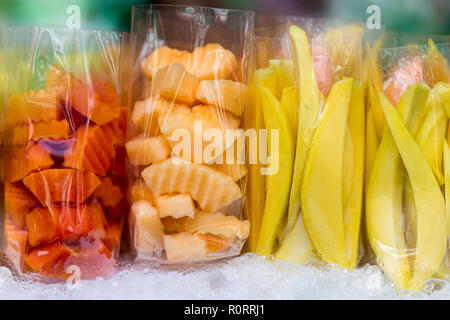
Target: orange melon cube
(109, 193)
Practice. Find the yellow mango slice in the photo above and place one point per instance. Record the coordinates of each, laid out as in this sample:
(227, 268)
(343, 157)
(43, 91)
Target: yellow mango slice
(447, 184)
(321, 193)
(296, 246)
(227, 94)
(284, 70)
(218, 224)
(437, 66)
(353, 201)
(385, 191)
(256, 182)
(211, 189)
(429, 201)
(268, 78)
(310, 105)
(289, 102)
(278, 183)
(372, 144)
(175, 83)
(175, 206)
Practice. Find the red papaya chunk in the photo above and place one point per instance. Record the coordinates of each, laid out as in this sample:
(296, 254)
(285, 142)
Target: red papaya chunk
(109, 193)
(18, 202)
(49, 259)
(16, 243)
(105, 90)
(61, 185)
(49, 224)
(21, 162)
(92, 151)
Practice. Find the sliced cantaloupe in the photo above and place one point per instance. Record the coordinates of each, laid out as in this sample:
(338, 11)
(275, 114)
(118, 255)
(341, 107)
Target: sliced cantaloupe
(21, 162)
(105, 90)
(226, 94)
(149, 230)
(92, 151)
(211, 189)
(49, 224)
(32, 131)
(61, 185)
(175, 83)
(49, 259)
(172, 225)
(175, 206)
(109, 193)
(209, 62)
(145, 117)
(15, 245)
(139, 191)
(182, 126)
(144, 150)
(236, 171)
(163, 57)
(218, 224)
(212, 62)
(184, 246)
(18, 202)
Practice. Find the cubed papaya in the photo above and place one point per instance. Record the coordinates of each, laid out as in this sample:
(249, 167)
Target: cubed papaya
(105, 90)
(49, 259)
(109, 193)
(61, 185)
(21, 162)
(92, 151)
(16, 244)
(18, 202)
(53, 129)
(43, 105)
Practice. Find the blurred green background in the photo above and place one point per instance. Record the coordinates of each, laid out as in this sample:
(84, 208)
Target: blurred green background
(408, 16)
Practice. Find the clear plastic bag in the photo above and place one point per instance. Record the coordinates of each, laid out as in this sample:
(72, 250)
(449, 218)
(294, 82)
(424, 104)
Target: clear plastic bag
(65, 164)
(406, 188)
(185, 148)
(309, 89)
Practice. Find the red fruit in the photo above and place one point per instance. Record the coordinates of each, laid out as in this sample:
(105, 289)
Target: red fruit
(322, 66)
(49, 259)
(18, 202)
(61, 185)
(16, 243)
(109, 193)
(105, 90)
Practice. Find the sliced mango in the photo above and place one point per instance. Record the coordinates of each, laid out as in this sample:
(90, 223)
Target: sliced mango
(429, 201)
(321, 193)
(278, 182)
(284, 70)
(290, 102)
(437, 66)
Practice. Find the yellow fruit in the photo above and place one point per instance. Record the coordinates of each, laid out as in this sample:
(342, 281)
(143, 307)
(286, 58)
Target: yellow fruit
(321, 193)
(289, 102)
(145, 117)
(175, 83)
(211, 189)
(148, 228)
(181, 247)
(139, 191)
(226, 94)
(429, 201)
(143, 150)
(218, 224)
(163, 57)
(175, 206)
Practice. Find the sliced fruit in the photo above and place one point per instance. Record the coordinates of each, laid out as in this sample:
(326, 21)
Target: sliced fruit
(216, 243)
(226, 94)
(175, 83)
(109, 193)
(278, 173)
(54, 129)
(144, 114)
(175, 206)
(321, 193)
(211, 189)
(285, 71)
(42, 105)
(322, 66)
(139, 191)
(447, 184)
(105, 90)
(296, 246)
(172, 225)
(149, 230)
(437, 65)
(15, 245)
(144, 150)
(236, 171)
(92, 151)
(385, 190)
(49, 259)
(372, 145)
(405, 74)
(212, 62)
(268, 78)
(18, 202)
(182, 247)
(376, 110)
(353, 205)
(61, 185)
(218, 224)
(49, 224)
(310, 106)
(290, 102)
(21, 162)
(429, 201)
(163, 57)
